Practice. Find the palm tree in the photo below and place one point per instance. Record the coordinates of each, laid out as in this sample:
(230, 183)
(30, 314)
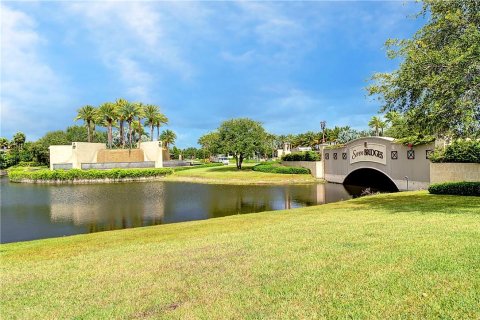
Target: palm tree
(88, 114)
(130, 111)
(108, 112)
(120, 104)
(168, 137)
(154, 119)
(375, 123)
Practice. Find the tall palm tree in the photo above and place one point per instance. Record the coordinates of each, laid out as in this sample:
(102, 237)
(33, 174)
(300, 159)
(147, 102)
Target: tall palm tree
(108, 112)
(154, 118)
(375, 123)
(88, 114)
(168, 137)
(130, 111)
(120, 104)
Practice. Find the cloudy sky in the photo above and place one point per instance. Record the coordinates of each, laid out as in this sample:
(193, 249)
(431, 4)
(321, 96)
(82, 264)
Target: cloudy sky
(287, 64)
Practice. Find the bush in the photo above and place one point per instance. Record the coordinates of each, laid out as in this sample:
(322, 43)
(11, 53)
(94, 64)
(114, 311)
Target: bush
(459, 151)
(77, 174)
(272, 168)
(456, 188)
(302, 156)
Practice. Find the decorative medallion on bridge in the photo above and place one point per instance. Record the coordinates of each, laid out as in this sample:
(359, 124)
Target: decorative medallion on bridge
(428, 153)
(327, 156)
(344, 156)
(410, 154)
(334, 156)
(371, 152)
(394, 155)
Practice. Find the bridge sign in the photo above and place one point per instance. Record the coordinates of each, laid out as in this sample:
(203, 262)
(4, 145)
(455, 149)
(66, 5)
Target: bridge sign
(368, 152)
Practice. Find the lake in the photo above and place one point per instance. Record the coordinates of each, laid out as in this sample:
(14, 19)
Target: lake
(36, 211)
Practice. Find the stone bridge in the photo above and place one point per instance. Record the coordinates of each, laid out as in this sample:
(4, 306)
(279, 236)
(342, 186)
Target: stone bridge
(378, 162)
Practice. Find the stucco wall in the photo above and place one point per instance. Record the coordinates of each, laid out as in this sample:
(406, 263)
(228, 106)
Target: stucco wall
(153, 151)
(450, 172)
(315, 167)
(85, 152)
(60, 154)
(120, 155)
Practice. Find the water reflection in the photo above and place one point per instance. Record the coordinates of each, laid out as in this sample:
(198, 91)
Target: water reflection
(44, 211)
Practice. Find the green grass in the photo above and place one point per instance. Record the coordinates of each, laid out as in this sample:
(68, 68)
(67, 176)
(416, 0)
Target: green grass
(401, 256)
(230, 175)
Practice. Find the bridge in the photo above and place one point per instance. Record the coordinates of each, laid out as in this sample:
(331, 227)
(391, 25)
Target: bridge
(378, 162)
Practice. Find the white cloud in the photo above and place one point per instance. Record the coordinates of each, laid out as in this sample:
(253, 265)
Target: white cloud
(31, 90)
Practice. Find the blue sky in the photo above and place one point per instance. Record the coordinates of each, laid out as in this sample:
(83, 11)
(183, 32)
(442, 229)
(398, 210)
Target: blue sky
(286, 64)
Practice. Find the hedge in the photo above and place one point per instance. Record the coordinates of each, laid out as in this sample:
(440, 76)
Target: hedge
(456, 188)
(77, 174)
(302, 156)
(459, 151)
(271, 168)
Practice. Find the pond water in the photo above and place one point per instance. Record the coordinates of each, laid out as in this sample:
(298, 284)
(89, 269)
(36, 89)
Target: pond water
(34, 211)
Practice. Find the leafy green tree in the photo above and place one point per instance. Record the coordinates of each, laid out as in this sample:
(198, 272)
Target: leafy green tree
(210, 143)
(168, 137)
(89, 115)
(108, 112)
(19, 139)
(346, 135)
(154, 118)
(3, 143)
(437, 85)
(241, 137)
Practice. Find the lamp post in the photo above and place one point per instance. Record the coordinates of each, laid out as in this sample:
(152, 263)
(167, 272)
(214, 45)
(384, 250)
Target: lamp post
(322, 126)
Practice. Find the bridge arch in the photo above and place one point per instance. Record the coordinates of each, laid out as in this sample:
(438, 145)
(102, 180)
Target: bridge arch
(370, 177)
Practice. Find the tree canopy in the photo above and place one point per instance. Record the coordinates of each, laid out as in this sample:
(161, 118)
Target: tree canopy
(437, 85)
(241, 137)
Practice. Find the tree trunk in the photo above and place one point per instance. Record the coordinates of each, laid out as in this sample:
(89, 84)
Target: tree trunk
(129, 135)
(151, 132)
(110, 135)
(240, 161)
(89, 139)
(122, 136)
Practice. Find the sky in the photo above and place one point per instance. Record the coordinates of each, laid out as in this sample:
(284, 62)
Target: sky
(287, 64)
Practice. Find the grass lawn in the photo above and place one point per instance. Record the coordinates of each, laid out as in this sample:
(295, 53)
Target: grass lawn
(404, 256)
(230, 175)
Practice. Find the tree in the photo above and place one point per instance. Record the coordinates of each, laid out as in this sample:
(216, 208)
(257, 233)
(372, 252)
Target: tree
(120, 105)
(3, 143)
(19, 139)
(153, 117)
(437, 85)
(108, 112)
(210, 143)
(168, 137)
(241, 137)
(346, 135)
(89, 115)
(376, 123)
(129, 112)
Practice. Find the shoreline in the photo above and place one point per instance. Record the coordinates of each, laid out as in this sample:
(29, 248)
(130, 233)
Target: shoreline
(190, 179)
(90, 181)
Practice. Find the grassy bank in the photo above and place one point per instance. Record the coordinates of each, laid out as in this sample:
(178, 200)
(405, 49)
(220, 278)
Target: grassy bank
(405, 255)
(230, 175)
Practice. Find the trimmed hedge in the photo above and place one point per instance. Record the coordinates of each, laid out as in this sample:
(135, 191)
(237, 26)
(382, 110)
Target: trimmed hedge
(271, 168)
(302, 156)
(77, 174)
(459, 151)
(456, 188)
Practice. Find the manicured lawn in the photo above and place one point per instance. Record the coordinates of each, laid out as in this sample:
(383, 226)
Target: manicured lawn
(402, 256)
(230, 175)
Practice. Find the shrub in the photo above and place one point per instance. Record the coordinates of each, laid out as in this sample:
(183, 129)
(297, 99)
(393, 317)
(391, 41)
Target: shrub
(77, 174)
(302, 156)
(459, 151)
(271, 168)
(456, 188)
